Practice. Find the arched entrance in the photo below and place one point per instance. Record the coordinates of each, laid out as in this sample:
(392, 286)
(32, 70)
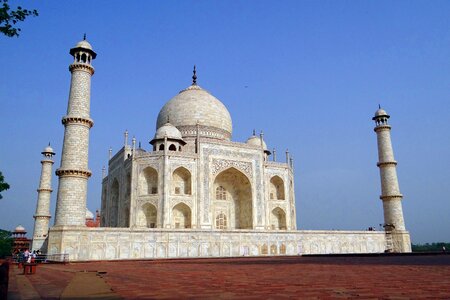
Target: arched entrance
(232, 196)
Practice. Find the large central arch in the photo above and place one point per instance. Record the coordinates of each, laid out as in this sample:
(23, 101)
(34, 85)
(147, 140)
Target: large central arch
(232, 197)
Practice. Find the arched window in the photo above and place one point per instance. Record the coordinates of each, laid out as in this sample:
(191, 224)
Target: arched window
(181, 214)
(181, 181)
(172, 147)
(150, 214)
(278, 219)
(148, 181)
(83, 58)
(221, 193)
(221, 221)
(161, 147)
(276, 188)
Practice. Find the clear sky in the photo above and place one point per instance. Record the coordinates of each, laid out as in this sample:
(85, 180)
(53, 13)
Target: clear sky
(310, 74)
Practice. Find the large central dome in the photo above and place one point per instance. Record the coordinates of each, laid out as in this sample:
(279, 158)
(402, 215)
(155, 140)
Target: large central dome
(195, 108)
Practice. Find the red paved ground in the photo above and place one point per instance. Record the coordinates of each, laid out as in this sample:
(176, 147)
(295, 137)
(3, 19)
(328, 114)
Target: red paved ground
(388, 277)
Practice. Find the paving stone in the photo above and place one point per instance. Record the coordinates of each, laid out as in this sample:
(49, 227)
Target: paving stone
(387, 277)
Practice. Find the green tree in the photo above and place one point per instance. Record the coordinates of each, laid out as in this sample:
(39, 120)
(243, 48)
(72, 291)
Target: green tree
(6, 243)
(3, 185)
(9, 18)
(433, 247)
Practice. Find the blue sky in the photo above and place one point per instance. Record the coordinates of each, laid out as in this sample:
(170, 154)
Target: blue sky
(310, 74)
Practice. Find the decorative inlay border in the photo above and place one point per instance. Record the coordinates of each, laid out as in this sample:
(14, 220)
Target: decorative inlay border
(47, 161)
(204, 131)
(382, 127)
(219, 165)
(42, 216)
(88, 122)
(44, 190)
(82, 67)
(386, 163)
(391, 197)
(74, 173)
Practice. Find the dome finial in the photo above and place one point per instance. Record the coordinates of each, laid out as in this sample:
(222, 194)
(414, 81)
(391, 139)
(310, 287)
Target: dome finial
(379, 106)
(194, 77)
(254, 132)
(84, 37)
(168, 118)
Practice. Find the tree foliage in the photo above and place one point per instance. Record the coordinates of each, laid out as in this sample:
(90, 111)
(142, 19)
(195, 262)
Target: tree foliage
(6, 243)
(3, 185)
(9, 18)
(433, 247)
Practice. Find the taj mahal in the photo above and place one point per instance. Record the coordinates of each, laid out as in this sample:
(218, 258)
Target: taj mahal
(197, 193)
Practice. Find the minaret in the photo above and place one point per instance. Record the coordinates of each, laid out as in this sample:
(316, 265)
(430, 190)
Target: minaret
(42, 215)
(74, 173)
(396, 235)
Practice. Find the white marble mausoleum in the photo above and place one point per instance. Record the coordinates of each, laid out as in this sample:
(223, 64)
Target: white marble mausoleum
(196, 193)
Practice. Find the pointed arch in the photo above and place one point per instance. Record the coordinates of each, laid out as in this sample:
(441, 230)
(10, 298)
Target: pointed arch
(149, 216)
(172, 147)
(148, 181)
(278, 219)
(181, 181)
(276, 189)
(181, 216)
(235, 198)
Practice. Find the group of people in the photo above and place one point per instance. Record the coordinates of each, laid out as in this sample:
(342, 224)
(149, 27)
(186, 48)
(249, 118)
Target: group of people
(27, 256)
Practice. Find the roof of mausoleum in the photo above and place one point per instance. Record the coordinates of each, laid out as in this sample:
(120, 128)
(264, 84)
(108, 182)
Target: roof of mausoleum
(169, 131)
(195, 106)
(256, 141)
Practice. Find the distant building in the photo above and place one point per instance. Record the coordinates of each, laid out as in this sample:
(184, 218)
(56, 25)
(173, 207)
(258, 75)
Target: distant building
(90, 221)
(20, 241)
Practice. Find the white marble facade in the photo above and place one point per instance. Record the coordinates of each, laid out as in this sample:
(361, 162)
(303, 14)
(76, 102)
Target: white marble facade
(207, 183)
(83, 243)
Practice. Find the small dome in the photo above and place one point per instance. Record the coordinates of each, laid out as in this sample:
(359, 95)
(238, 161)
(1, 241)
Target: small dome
(48, 149)
(84, 44)
(19, 228)
(168, 130)
(380, 112)
(89, 214)
(256, 141)
(195, 106)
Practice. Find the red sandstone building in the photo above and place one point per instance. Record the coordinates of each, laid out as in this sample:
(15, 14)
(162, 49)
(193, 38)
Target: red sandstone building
(20, 241)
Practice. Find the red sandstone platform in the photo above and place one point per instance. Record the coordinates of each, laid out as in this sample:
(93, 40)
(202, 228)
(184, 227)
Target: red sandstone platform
(324, 277)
